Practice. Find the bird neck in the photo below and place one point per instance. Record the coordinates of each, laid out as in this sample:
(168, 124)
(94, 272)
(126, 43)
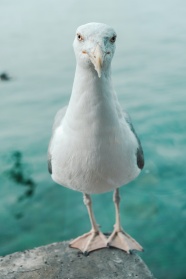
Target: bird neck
(89, 87)
(92, 99)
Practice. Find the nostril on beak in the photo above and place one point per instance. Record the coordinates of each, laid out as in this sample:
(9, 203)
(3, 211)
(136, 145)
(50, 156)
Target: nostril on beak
(84, 52)
(108, 52)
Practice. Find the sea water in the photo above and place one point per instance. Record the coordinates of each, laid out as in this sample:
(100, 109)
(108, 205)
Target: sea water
(149, 75)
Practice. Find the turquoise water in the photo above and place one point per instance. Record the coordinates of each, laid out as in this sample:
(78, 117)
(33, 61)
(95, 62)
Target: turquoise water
(149, 73)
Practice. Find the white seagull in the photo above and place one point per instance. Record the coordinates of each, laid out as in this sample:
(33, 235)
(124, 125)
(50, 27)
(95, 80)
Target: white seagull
(94, 147)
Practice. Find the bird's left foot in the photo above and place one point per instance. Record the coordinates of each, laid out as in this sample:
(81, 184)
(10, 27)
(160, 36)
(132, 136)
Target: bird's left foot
(90, 241)
(123, 241)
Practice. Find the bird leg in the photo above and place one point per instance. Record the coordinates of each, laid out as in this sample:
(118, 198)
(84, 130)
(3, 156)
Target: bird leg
(119, 238)
(92, 240)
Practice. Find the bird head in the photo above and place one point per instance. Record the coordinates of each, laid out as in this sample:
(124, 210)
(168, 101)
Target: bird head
(94, 46)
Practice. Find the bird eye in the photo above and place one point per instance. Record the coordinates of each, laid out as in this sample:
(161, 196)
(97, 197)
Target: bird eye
(79, 37)
(113, 39)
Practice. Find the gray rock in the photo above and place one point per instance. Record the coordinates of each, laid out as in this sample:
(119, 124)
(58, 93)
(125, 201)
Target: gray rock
(58, 261)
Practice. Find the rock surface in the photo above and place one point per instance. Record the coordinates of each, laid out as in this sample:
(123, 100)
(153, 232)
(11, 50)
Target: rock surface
(58, 261)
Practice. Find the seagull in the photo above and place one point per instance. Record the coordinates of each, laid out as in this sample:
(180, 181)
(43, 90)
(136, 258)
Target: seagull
(94, 147)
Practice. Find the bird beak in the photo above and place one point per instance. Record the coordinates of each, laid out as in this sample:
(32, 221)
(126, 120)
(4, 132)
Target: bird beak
(97, 57)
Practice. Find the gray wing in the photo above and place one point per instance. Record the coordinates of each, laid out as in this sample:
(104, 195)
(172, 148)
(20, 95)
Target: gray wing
(57, 121)
(122, 113)
(139, 151)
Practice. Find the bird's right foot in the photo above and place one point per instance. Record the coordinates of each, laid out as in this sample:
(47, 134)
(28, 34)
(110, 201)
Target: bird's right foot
(90, 241)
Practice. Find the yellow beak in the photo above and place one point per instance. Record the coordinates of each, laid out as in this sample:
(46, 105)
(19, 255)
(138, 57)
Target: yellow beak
(96, 58)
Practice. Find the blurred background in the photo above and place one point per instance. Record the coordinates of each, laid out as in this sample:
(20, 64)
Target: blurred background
(37, 67)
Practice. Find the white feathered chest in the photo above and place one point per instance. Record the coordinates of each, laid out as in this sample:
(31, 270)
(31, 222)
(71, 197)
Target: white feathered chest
(93, 150)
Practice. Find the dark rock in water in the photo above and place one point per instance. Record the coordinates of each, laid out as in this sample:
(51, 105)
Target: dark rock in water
(18, 215)
(5, 77)
(59, 261)
(18, 174)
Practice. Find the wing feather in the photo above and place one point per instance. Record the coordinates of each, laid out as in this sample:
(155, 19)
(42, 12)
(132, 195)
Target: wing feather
(139, 151)
(122, 113)
(57, 121)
